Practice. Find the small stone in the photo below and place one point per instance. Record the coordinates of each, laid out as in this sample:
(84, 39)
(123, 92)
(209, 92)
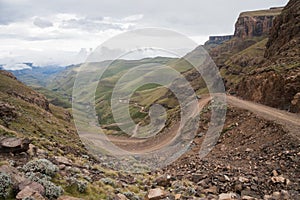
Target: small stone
(177, 196)
(32, 151)
(285, 195)
(275, 173)
(238, 187)
(120, 197)
(226, 178)
(243, 179)
(276, 195)
(155, 194)
(278, 179)
(227, 196)
(197, 177)
(63, 160)
(211, 190)
(287, 181)
(61, 167)
(267, 197)
(163, 181)
(68, 198)
(247, 198)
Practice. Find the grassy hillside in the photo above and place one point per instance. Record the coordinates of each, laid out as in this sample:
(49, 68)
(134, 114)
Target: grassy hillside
(30, 115)
(242, 63)
(54, 97)
(37, 76)
(144, 96)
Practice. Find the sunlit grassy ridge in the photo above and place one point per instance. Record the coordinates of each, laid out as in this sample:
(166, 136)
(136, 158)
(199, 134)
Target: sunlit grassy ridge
(269, 12)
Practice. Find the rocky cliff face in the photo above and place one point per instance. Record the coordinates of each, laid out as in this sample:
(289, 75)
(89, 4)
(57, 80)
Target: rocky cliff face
(273, 88)
(255, 23)
(277, 81)
(284, 39)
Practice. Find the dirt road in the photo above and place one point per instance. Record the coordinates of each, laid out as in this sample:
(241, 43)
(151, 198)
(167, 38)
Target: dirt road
(289, 120)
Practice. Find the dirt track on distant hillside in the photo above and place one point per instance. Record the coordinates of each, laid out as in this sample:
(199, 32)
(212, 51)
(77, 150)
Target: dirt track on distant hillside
(290, 121)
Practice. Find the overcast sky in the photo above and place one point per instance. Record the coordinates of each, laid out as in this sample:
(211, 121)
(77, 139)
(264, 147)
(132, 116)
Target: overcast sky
(63, 31)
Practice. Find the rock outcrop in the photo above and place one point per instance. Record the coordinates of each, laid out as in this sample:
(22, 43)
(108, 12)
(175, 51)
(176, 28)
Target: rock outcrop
(7, 112)
(8, 74)
(218, 39)
(255, 23)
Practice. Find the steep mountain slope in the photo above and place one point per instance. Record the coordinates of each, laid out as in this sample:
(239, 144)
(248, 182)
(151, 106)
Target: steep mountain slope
(29, 114)
(276, 82)
(284, 43)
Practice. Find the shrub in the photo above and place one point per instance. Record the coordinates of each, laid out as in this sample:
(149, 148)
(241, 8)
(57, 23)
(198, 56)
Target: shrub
(80, 185)
(43, 166)
(107, 181)
(129, 195)
(51, 190)
(5, 184)
(41, 171)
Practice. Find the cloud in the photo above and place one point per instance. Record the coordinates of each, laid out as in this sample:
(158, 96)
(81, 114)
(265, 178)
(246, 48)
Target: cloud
(88, 25)
(133, 18)
(100, 23)
(60, 27)
(15, 66)
(42, 23)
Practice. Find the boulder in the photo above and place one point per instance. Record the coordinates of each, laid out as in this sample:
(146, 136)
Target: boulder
(33, 185)
(62, 160)
(14, 145)
(28, 192)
